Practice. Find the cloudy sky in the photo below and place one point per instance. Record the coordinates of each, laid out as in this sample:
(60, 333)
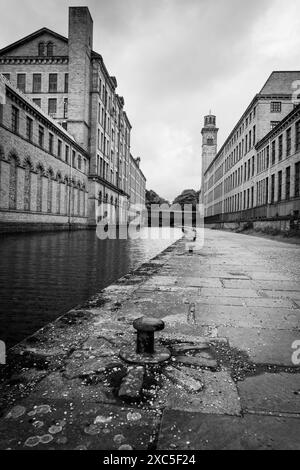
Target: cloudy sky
(174, 61)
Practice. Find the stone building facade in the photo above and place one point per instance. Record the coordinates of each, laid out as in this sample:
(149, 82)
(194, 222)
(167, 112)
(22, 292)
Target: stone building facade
(232, 187)
(43, 171)
(137, 182)
(70, 83)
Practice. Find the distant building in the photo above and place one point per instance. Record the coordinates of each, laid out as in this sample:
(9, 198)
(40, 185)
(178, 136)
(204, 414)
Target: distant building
(69, 85)
(249, 176)
(137, 182)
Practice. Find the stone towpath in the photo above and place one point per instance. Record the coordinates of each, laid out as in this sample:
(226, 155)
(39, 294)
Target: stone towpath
(232, 316)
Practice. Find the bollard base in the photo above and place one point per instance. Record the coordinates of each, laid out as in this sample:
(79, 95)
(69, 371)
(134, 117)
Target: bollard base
(132, 357)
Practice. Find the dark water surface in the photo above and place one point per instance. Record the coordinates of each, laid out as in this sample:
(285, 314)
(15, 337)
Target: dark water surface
(44, 275)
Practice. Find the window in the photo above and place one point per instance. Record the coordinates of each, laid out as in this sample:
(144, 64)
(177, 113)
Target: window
(274, 124)
(67, 154)
(59, 146)
(37, 101)
(29, 123)
(275, 107)
(210, 141)
(15, 119)
(52, 106)
(66, 89)
(41, 136)
(272, 188)
(41, 49)
(253, 166)
(13, 179)
(297, 136)
(268, 157)
(37, 83)
(65, 108)
(79, 162)
(280, 148)
(50, 143)
(254, 135)
(21, 81)
(288, 141)
(50, 49)
(52, 82)
(273, 152)
(73, 158)
(287, 182)
(279, 195)
(297, 179)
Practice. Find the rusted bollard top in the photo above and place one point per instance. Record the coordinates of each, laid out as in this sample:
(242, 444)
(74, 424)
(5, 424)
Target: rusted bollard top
(148, 324)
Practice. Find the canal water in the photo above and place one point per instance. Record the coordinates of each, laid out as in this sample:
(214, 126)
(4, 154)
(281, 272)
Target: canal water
(43, 275)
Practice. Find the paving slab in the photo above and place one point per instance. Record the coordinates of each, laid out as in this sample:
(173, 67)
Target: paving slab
(263, 346)
(181, 430)
(273, 393)
(218, 395)
(239, 293)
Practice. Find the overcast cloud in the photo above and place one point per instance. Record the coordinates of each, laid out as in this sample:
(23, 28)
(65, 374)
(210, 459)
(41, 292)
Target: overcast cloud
(174, 61)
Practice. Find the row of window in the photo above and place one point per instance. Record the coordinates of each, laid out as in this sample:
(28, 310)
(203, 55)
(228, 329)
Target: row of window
(241, 129)
(241, 149)
(277, 149)
(265, 191)
(77, 161)
(243, 173)
(37, 82)
(74, 202)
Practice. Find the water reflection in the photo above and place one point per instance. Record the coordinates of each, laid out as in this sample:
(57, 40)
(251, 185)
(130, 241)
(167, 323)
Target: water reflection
(44, 275)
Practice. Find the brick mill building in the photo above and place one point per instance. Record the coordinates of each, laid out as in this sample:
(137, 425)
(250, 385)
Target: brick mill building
(255, 176)
(64, 133)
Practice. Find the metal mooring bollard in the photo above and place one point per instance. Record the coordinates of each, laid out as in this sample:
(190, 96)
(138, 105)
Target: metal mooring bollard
(145, 352)
(145, 334)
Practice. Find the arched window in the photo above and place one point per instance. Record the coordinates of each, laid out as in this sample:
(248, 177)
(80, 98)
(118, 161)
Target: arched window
(50, 191)
(78, 199)
(1, 156)
(210, 141)
(39, 195)
(72, 189)
(27, 186)
(41, 49)
(66, 196)
(84, 200)
(13, 183)
(50, 49)
(58, 193)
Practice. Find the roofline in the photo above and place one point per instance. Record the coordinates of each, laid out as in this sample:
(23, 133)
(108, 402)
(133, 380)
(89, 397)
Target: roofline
(135, 162)
(32, 36)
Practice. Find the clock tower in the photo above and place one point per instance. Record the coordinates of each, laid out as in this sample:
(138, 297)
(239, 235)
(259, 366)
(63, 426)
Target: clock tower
(209, 141)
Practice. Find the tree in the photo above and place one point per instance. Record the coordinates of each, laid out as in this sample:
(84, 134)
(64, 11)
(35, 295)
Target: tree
(188, 196)
(153, 198)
